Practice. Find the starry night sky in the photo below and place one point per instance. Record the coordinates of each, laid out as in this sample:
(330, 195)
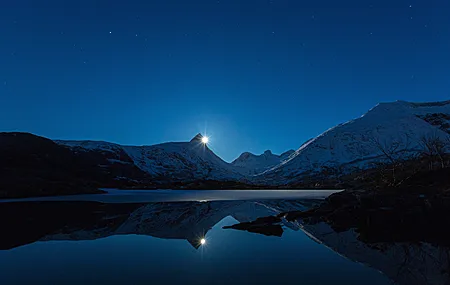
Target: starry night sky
(256, 74)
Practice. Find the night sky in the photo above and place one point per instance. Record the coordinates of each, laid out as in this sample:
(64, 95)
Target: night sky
(256, 74)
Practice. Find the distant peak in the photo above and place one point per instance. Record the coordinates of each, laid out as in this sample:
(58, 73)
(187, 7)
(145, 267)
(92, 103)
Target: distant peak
(245, 155)
(198, 138)
(268, 152)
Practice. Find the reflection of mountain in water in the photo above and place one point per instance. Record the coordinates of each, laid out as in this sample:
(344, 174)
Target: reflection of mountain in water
(42, 221)
(403, 262)
(408, 263)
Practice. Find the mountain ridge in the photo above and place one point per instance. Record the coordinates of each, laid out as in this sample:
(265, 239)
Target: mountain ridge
(176, 161)
(251, 164)
(386, 133)
(361, 142)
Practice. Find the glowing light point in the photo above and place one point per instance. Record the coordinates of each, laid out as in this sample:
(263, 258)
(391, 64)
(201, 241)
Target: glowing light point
(202, 241)
(205, 140)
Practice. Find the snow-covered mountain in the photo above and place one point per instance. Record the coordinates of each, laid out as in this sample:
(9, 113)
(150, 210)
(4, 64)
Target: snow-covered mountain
(397, 128)
(174, 161)
(251, 164)
(181, 161)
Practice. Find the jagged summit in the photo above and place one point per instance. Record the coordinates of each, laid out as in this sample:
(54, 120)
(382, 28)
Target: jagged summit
(251, 164)
(198, 138)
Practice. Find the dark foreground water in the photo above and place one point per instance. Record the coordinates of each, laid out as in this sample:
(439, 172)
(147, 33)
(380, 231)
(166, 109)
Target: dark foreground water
(161, 243)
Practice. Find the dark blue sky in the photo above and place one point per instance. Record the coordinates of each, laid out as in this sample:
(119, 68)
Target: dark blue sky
(257, 74)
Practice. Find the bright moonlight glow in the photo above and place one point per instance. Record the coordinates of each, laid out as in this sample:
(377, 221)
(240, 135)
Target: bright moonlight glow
(202, 241)
(205, 140)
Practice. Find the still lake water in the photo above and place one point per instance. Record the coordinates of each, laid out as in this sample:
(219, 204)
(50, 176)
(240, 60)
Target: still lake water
(88, 242)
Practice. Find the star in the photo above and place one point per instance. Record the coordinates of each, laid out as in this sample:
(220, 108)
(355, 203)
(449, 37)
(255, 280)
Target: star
(110, 32)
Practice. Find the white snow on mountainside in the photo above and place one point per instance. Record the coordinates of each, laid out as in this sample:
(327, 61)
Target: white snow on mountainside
(178, 161)
(396, 127)
(251, 164)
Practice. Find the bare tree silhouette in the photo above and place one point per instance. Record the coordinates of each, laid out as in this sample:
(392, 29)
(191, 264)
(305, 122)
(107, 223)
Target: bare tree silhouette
(434, 149)
(394, 152)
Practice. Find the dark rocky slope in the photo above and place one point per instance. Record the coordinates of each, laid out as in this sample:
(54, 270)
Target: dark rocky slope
(35, 166)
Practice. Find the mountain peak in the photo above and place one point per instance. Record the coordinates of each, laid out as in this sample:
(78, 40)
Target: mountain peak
(268, 152)
(198, 138)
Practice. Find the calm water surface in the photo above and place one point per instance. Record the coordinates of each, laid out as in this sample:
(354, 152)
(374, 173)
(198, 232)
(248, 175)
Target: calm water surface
(160, 243)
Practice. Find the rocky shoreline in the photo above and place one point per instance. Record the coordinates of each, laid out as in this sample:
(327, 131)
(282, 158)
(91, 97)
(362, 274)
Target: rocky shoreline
(381, 216)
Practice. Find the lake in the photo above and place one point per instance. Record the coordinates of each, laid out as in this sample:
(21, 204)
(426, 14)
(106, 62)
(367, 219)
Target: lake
(178, 241)
(136, 196)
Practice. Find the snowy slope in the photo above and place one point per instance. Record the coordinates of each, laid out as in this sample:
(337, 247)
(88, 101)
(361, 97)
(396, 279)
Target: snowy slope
(251, 164)
(175, 161)
(360, 142)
